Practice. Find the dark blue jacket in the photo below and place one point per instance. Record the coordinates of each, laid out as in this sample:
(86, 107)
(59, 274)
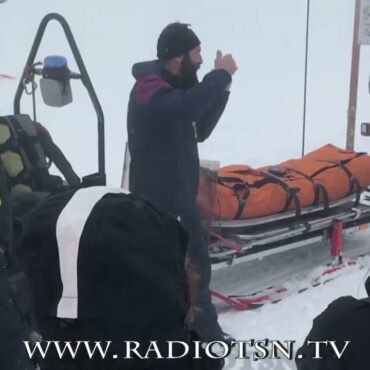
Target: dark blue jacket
(165, 122)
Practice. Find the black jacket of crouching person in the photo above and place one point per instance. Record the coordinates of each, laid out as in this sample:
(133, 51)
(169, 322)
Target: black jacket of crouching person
(107, 266)
(346, 320)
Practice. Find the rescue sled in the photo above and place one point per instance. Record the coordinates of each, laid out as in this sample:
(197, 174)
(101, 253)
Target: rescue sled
(231, 239)
(306, 218)
(234, 241)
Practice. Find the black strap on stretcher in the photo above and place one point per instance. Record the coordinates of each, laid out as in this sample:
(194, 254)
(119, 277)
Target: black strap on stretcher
(291, 192)
(318, 188)
(239, 184)
(354, 184)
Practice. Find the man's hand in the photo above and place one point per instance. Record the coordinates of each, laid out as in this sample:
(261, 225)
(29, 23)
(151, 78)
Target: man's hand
(225, 62)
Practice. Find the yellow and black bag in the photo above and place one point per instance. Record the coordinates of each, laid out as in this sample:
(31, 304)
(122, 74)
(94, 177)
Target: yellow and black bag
(23, 156)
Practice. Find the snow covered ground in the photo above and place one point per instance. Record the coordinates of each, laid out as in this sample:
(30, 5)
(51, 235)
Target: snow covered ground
(291, 318)
(262, 123)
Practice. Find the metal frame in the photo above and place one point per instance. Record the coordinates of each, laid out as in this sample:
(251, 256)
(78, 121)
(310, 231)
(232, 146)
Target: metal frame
(309, 240)
(84, 77)
(279, 216)
(238, 248)
(277, 292)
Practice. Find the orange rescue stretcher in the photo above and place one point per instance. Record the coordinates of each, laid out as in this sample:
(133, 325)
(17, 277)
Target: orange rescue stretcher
(251, 211)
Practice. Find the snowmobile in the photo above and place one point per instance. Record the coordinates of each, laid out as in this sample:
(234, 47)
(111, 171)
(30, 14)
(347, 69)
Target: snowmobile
(27, 150)
(56, 88)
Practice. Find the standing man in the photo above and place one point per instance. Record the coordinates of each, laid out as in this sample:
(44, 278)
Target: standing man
(169, 112)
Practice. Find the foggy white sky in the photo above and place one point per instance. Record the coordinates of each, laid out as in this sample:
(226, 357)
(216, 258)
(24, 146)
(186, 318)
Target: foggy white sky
(263, 121)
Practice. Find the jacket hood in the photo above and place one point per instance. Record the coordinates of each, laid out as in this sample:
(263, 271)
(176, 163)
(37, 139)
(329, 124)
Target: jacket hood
(143, 69)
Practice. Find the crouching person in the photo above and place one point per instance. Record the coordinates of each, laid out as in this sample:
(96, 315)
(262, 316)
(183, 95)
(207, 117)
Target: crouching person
(105, 266)
(344, 332)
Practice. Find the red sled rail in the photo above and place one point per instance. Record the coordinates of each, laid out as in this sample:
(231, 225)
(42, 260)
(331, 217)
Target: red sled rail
(275, 294)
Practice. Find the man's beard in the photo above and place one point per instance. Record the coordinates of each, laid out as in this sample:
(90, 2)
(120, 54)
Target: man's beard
(188, 72)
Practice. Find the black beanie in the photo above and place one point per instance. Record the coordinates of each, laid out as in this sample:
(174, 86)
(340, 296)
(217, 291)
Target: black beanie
(175, 40)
